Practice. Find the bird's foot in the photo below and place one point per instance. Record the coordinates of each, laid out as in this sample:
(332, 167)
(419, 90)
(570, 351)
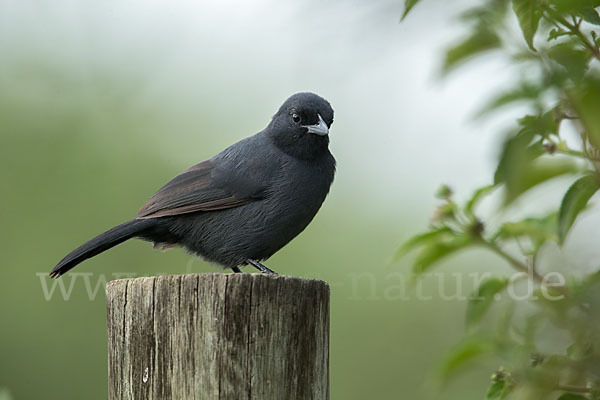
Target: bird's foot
(261, 267)
(164, 246)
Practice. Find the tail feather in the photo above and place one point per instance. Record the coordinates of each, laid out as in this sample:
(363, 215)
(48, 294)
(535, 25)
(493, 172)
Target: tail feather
(101, 243)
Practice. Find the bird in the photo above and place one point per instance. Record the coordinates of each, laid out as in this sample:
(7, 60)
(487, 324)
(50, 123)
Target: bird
(243, 205)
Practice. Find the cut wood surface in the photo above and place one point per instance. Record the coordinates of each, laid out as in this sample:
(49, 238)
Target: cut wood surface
(218, 336)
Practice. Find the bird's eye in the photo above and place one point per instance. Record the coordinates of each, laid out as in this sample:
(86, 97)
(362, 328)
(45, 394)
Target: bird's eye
(295, 118)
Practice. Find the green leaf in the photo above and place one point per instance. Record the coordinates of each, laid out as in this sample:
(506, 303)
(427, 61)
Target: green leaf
(496, 391)
(573, 60)
(556, 33)
(516, 154)
(587, 290)
(422, 240)
(542, 124)
(532, 227)
(542, 170)
(480, 41)
(524, 92)
(520, 167)
(502, 384)
(529, 14)
(586, 100)
(573, 6)
(464, 353)
(572, 396)
(488, 15)
(433, 252)
(537, 230)
(483, 298)
(574, 201)
(476, 198)
(590, 15)
(408, 5)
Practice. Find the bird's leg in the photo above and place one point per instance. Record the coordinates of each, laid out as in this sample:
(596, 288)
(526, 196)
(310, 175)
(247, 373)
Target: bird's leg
(261, 267)
(236, 270)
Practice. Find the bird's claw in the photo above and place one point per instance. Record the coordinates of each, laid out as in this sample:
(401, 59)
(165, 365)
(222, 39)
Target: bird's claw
(263, 269)
(268, 271)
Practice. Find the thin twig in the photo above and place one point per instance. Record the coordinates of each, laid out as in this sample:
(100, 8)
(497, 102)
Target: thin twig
(577, 153)
(520, 266)
(555, 16)
(574, 389)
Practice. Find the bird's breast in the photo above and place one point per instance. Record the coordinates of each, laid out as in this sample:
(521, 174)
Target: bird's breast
(298, 190)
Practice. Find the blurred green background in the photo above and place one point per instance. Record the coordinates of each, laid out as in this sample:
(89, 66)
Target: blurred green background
(103, 102)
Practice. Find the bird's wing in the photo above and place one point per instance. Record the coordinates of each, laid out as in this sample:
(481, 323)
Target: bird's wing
(203, 187)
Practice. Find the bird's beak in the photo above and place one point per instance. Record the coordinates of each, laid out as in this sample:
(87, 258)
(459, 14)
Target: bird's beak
(320, 129)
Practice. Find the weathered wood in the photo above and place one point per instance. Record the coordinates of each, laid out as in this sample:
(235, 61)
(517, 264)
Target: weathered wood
(218, 336)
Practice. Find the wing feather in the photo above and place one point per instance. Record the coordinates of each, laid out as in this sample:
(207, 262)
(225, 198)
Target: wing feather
(202, 187)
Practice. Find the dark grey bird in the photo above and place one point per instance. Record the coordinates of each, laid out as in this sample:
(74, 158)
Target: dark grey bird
(244, 204)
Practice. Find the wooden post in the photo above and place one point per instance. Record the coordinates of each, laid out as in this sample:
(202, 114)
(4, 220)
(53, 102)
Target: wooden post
(218, 336)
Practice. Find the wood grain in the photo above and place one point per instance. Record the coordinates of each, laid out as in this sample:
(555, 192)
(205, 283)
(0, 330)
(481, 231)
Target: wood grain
(218, 336)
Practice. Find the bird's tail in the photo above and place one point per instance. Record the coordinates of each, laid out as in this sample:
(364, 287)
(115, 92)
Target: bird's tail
(101, 243)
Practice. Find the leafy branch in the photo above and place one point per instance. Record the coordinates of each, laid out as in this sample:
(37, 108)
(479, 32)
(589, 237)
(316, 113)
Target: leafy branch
(556, 18)
(566, 86)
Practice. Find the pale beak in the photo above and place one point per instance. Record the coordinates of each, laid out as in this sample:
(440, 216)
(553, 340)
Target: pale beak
(320, 129)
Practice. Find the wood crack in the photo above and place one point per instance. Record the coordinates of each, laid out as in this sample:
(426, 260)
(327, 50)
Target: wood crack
(218, 337)
(248, 340)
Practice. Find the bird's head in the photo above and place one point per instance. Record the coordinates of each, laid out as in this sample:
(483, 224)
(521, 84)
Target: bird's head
(301, 126)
